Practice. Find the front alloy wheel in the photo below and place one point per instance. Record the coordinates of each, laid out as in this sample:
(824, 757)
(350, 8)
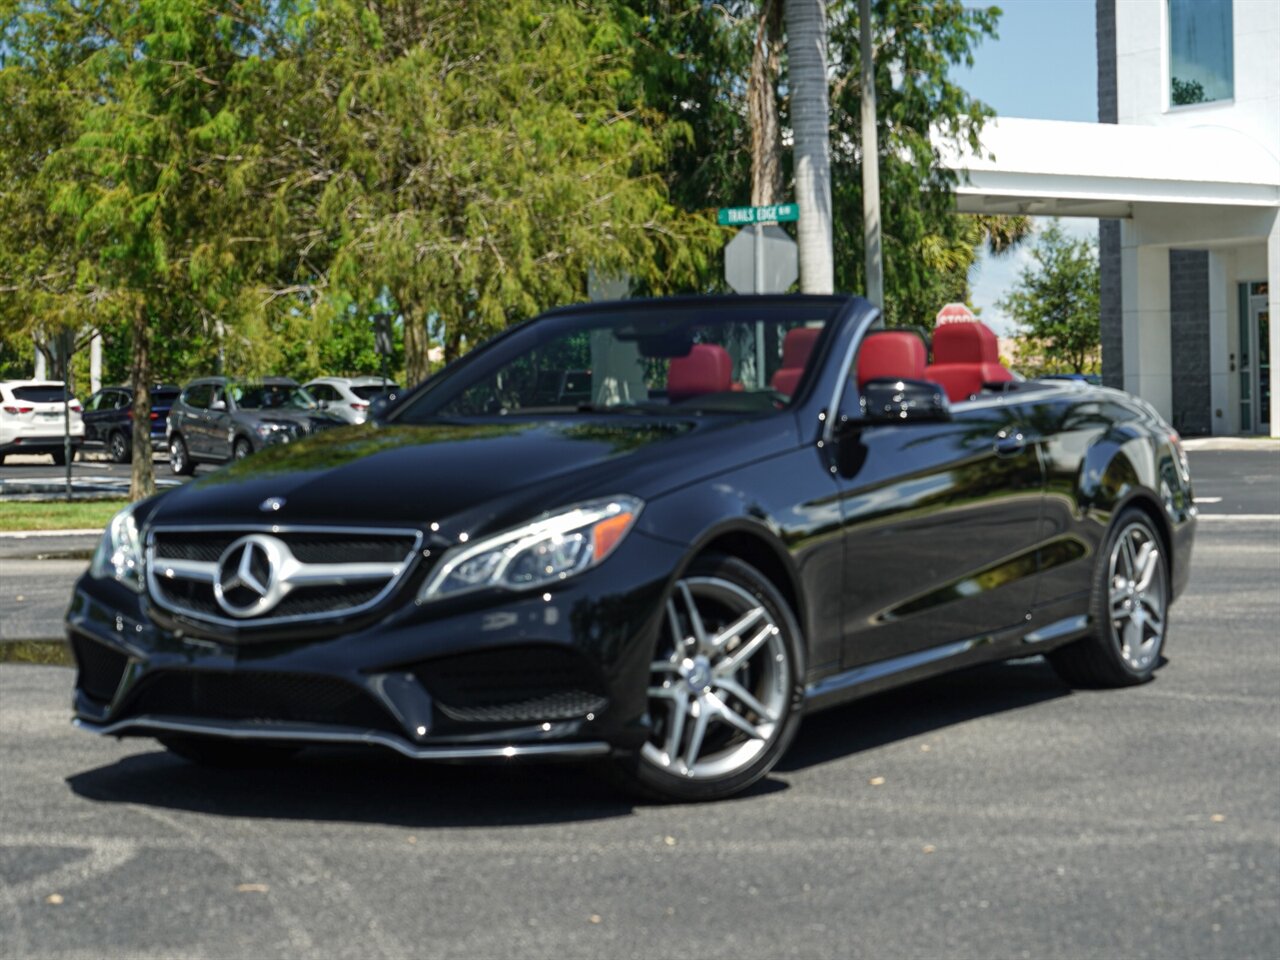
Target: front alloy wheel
(119, 448)
(724, 687)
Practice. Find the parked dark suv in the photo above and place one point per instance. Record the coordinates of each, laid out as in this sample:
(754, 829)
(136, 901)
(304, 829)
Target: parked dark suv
(108, 419)
(218, 419)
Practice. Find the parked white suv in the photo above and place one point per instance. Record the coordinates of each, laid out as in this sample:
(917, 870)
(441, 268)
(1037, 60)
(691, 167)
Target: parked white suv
(349, 397)
(31, 419)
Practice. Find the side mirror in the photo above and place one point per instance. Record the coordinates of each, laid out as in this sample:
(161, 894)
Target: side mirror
(218, 405)
(903, 401)
(322, 404)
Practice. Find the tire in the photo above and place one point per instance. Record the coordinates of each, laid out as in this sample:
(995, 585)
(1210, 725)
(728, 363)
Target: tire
(118, 447)
(241, 449)
(226, 754)
(60, 457)
(748, 686)
(1128, 610)
(179, 458)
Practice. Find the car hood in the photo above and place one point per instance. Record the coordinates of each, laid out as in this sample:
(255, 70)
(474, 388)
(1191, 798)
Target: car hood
(473, 477)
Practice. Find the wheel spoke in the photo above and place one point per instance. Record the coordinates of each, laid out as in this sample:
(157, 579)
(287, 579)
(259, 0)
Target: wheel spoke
(733, 718)
(695, 619)
(696, 738)
(735, 629)
(730, 665)
(1127, 554)
(1149, 564)
(678, 637)
(664, 693)
(675, 726)
(735, 689)
(1133, 640)
(1118, 608)
(663, 666)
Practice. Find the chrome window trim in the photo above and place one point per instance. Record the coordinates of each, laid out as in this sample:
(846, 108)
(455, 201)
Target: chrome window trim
(408, 564)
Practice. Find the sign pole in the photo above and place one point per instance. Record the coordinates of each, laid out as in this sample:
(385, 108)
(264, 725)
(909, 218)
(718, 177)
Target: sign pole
(870, 165)
(758, 288)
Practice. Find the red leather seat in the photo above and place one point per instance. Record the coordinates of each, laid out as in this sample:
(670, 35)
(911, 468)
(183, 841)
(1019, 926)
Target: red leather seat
(706, 368)
(965, 356)
(797, 345)
(891, 355)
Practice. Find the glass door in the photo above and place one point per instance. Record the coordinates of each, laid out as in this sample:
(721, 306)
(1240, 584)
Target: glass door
(1255, 359)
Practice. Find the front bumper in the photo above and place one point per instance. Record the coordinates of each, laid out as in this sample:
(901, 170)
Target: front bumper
(557, 674)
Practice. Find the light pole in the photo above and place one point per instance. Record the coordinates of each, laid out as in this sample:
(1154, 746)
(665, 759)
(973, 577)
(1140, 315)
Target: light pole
(870, 165)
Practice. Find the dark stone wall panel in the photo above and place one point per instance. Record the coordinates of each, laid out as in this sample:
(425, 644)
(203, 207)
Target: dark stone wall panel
(1111, 316)
(1189, 341)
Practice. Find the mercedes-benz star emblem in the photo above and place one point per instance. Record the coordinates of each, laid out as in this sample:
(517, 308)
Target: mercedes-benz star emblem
(271, 504)
(248, 579)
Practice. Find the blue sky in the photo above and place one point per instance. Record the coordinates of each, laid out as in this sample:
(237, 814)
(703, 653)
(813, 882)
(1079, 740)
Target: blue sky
(1044, 65)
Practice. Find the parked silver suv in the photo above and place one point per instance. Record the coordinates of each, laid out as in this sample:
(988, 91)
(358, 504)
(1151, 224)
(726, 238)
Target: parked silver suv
(349, 397)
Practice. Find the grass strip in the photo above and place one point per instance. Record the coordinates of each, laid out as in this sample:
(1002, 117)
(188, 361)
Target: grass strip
(18, 515)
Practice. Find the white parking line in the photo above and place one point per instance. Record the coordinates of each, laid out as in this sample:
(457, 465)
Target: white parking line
(1208, 499)
(1246, 517)
(29, 534)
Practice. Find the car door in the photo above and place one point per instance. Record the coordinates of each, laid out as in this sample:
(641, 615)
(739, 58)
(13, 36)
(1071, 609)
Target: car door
(188, 417)
(96, 411)
(217, 424)
(940, 524)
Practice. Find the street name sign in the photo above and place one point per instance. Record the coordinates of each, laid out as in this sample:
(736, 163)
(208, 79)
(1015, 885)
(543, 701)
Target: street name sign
(770, 213)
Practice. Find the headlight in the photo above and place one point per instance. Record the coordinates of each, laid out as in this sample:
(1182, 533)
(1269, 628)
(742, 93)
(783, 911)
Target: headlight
(119, 553)
(544, 551)
(265, 430)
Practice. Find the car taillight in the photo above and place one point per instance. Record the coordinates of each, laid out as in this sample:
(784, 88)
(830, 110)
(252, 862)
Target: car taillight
(17, 410)
(75, 405)
(154, 415)
(359, 406)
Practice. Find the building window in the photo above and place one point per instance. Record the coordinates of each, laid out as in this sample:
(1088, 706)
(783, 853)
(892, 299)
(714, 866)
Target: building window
(1201, 61)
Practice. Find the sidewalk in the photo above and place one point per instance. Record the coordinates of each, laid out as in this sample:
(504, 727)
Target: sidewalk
(1266, 444)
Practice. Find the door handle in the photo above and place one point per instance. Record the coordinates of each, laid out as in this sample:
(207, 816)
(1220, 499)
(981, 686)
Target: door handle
(1010, 443)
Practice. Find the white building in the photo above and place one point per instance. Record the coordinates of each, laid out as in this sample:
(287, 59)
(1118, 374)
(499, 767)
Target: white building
(1183, 169)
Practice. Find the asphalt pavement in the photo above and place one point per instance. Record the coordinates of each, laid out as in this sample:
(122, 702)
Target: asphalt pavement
(993, 813)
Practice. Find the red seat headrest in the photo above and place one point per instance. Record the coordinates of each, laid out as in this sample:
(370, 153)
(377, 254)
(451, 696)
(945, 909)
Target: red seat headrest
(891, 355)
(965, 343)
(798, 344)
(707, 368)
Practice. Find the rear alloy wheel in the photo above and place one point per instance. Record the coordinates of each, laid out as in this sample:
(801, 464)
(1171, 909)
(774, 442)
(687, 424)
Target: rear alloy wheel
(241, 449)
(725, 685)
(179, 460)
(119, 448)
(1129, 610)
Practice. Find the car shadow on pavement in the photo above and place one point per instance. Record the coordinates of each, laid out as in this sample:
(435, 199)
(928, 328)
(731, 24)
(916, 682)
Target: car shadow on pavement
(920, 708)
(361, 786)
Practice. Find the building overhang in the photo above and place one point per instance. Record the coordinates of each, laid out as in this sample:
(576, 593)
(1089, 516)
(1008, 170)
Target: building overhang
(1069, 169)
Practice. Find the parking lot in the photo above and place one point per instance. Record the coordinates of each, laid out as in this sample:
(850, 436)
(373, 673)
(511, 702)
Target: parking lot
(992, 813)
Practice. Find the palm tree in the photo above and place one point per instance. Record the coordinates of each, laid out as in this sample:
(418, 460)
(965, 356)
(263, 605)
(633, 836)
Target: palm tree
(807, 78)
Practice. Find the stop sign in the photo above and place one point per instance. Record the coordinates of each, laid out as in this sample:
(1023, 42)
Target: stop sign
(955, 313)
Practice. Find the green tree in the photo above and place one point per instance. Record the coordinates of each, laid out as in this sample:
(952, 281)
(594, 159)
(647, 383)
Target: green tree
(474, 159)
(928, 248)
(1055, 302)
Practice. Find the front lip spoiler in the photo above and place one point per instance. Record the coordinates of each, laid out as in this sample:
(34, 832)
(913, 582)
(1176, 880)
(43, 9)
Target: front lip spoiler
(330, 735)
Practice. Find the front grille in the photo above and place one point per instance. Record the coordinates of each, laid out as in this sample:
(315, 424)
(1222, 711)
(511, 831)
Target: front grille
(348, 570)
(100, 668)
(309, 547)
(515, 685)
(257, 696)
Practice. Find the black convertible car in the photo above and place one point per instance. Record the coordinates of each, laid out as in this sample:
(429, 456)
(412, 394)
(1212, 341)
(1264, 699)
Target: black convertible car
(744, 509)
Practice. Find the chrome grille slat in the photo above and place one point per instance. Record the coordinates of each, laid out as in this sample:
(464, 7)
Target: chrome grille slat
(183, 565)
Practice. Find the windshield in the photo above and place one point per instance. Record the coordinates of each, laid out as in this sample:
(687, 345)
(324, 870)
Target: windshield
(720, 357)
(271, 396)
(368, 393)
